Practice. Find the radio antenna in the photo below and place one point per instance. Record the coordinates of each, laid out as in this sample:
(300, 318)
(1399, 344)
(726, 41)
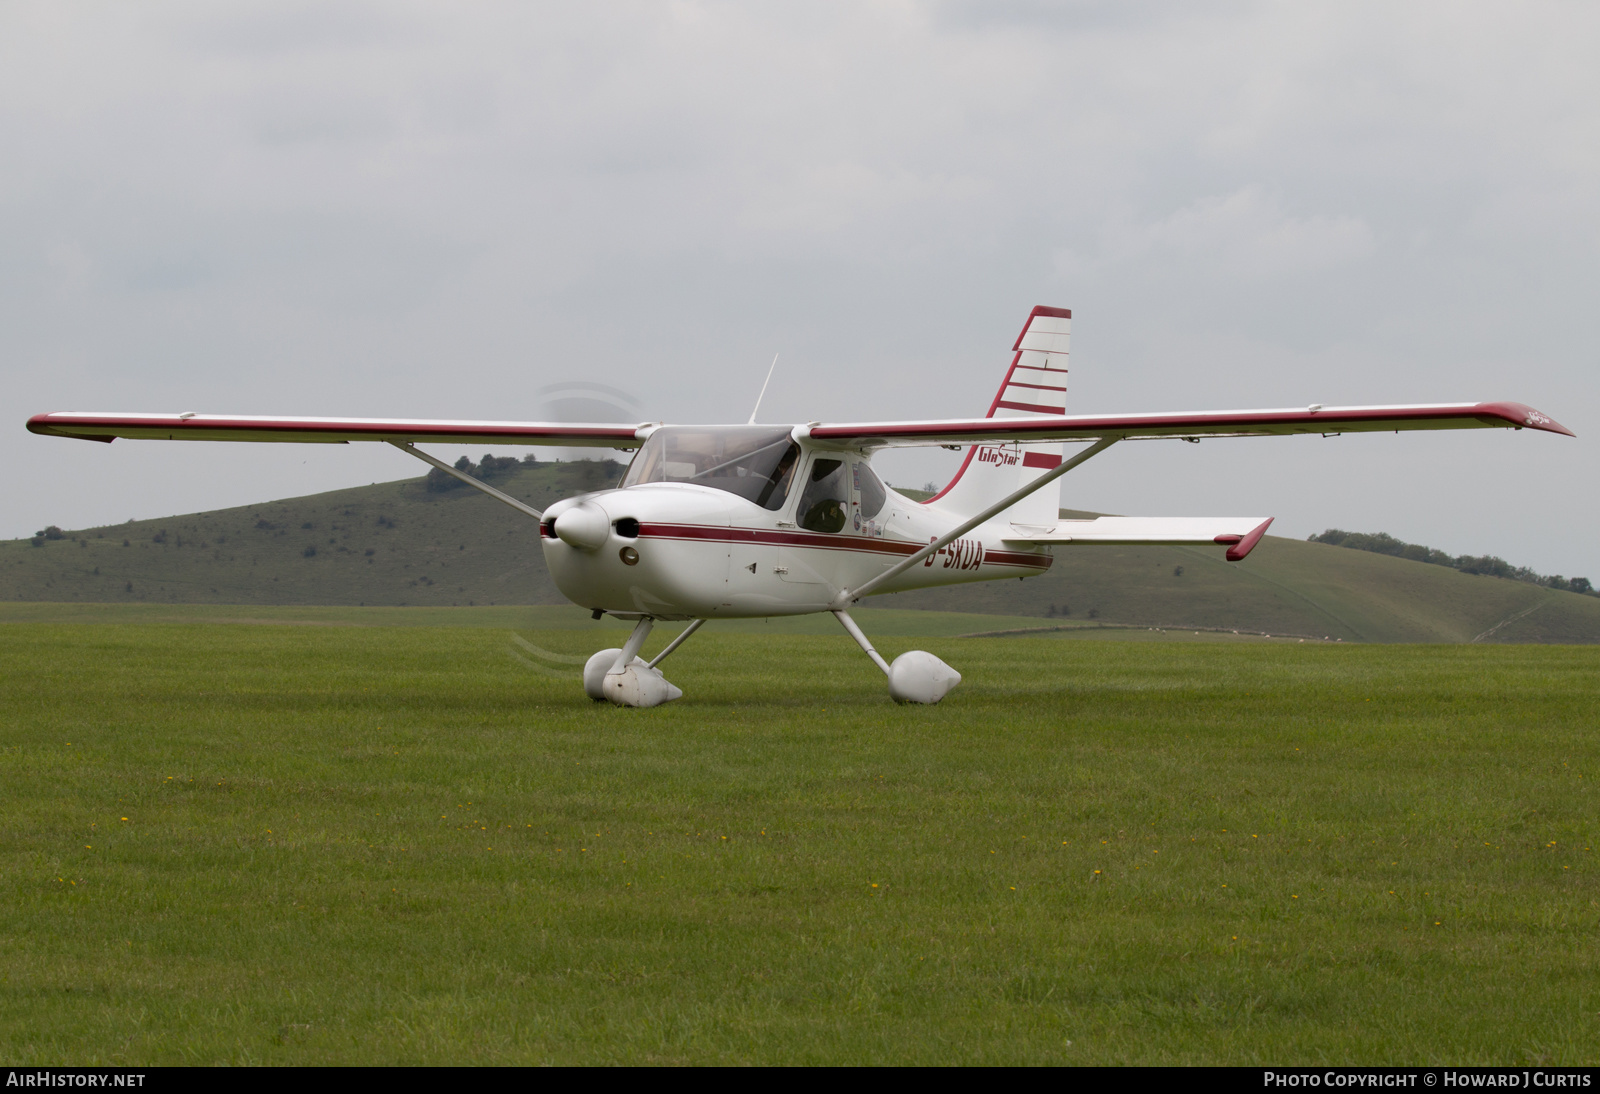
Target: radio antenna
(763, 394)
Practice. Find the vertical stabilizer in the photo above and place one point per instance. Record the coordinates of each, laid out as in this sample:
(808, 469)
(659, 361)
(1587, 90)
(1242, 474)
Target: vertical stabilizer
(1034, 386)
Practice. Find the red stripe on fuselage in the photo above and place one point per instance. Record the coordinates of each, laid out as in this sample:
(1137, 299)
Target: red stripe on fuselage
(823, 541)
(1019, 558)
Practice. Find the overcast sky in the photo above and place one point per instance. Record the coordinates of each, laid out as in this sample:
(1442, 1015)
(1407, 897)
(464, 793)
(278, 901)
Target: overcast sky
(439, 210)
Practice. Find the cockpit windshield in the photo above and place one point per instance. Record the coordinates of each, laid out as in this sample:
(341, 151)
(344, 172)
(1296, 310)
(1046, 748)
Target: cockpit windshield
(755, 462)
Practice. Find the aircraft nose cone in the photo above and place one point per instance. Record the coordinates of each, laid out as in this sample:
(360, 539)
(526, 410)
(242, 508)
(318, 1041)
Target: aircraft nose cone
(584, 526)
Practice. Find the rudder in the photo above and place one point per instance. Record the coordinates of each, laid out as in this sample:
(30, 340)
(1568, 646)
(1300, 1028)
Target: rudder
(1034, 386)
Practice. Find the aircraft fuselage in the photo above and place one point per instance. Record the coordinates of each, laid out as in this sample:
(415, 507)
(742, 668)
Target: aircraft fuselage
(680, 550)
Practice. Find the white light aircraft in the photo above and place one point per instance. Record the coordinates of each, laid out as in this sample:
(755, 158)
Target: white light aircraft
(742, 521)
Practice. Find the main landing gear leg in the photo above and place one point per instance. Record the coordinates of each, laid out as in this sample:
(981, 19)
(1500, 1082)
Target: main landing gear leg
(861, 640)
(623, 677)
(916, 675)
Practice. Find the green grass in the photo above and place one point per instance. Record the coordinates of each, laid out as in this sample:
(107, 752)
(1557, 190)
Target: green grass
(291, 844)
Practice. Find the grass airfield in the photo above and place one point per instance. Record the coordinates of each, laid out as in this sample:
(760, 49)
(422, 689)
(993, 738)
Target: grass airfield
(411, 843)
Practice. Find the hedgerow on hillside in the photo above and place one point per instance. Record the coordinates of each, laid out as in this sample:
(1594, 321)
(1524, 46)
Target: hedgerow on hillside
(1490, 565)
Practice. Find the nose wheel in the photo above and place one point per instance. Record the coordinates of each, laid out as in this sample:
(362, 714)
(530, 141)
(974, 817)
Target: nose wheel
(628, 680)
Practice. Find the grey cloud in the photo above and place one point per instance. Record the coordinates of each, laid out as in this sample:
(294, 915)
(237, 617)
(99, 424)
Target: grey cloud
(409, 209)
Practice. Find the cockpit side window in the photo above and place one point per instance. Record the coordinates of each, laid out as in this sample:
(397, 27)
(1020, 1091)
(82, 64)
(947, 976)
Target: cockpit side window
(869, 490)
(825, 503)
(776, 490)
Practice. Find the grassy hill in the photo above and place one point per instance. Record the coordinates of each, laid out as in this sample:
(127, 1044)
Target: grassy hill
(1286, 586)
(394, 543)
(399, 544)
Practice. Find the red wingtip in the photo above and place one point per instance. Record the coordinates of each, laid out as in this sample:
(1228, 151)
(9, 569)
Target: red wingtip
(40, 424)
(1242, 547)
(1523, 416)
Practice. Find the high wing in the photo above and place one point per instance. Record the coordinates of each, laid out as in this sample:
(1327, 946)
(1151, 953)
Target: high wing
(1239, 534)
(1191, 426)
(1223, 423)
(220, 427)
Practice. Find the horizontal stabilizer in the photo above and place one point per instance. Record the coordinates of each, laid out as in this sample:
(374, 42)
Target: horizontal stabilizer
(1238, 534)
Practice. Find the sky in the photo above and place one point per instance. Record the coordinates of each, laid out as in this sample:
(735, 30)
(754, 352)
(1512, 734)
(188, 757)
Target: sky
(449, 210)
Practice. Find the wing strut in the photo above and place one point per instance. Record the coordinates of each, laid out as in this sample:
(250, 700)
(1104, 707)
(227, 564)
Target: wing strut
(407, 446)
(966, 526)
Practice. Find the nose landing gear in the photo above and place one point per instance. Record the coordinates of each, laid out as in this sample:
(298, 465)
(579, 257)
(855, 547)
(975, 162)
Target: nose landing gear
(626, 679)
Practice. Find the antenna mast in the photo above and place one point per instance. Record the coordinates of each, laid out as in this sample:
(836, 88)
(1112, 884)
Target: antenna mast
(763, 394)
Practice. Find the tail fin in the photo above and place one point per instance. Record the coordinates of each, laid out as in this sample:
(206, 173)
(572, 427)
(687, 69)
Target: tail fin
(1034, 385)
